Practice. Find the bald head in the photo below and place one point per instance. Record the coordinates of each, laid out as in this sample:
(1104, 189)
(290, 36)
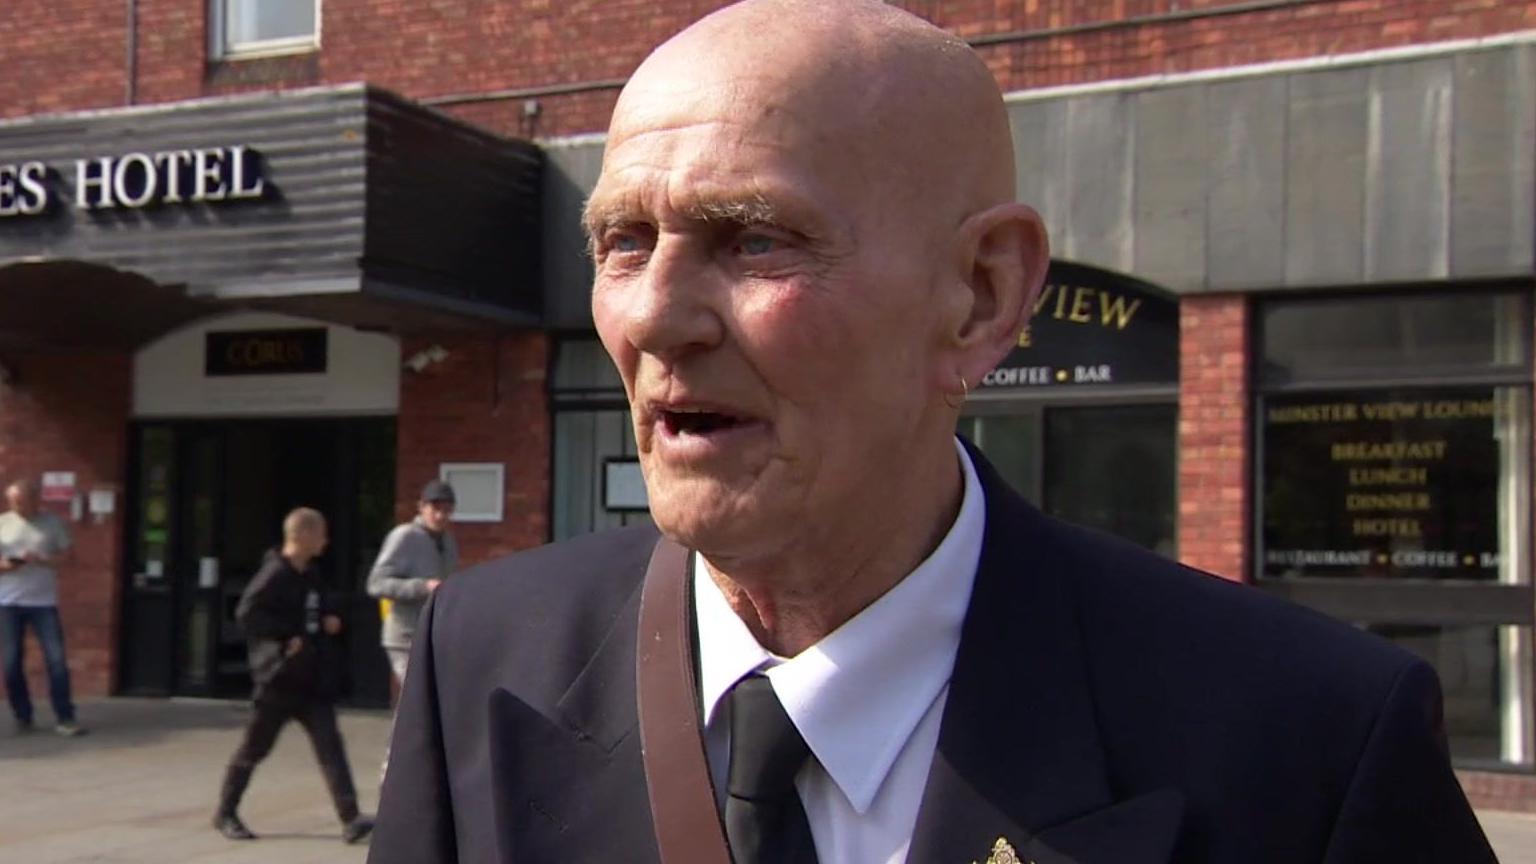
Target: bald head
(805, 249)
(908, 105)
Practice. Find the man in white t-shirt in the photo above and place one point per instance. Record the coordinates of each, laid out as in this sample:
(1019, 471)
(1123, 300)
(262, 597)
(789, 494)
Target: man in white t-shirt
(32, 542)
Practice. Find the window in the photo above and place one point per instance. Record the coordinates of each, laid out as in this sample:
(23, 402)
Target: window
(597, 479)
(1394, 483)
(479, 489)
(1394, 469)
(1414, 336)
(1109, 467)
(242, 28)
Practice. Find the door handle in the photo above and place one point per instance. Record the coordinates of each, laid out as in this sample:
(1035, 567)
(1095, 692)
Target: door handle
(207, 572)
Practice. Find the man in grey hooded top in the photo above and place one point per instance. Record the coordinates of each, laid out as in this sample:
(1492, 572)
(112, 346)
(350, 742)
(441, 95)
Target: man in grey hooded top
(417, 556)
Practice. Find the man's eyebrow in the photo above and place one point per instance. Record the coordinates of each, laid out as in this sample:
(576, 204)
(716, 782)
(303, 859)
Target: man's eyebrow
(746, 210)
(596, 214)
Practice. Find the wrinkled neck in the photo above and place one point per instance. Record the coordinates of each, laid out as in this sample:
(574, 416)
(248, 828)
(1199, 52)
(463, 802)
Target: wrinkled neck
(796, 596)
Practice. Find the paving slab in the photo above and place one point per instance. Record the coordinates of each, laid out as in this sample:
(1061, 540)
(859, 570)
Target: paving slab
(140, 789)
(1513, 835)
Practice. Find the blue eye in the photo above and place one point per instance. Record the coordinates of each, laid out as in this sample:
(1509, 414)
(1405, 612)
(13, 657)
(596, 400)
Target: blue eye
(625, 240)
(756, 244)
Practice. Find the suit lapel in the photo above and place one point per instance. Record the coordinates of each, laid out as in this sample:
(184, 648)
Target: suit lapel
(600, 704)
(1019, 755)
(568, 782)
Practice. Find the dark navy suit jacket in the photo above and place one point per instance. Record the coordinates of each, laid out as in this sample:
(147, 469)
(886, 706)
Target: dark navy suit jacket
(1107, 707)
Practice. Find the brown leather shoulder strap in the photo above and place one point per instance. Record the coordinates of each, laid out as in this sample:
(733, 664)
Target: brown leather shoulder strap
(687, 824)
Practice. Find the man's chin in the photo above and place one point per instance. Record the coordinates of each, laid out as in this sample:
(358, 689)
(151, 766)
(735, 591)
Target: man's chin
(688, 530)
(705, 524)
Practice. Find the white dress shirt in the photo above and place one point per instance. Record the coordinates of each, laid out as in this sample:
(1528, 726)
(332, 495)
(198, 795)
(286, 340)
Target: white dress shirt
(867, 698)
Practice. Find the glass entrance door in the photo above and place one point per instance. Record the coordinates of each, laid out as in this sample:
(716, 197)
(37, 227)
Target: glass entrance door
(194, 563)
(1113, 468)
(207, 503)
(149, 598)
(1107, 467)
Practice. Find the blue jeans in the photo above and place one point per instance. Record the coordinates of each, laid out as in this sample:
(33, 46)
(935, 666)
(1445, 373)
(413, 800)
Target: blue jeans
(50, 634)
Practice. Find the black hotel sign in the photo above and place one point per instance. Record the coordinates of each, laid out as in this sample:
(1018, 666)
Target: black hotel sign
(265, 352)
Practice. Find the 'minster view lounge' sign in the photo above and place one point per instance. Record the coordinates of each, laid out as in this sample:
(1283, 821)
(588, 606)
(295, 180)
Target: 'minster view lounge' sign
(1093, 327)
(1385, 483)
(135, 180)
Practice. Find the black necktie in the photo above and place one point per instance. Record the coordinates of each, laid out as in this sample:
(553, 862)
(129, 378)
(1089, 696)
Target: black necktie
(764, 819)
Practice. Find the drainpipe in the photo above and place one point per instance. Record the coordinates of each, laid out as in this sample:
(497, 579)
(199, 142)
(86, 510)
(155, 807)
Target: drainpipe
(130, 96)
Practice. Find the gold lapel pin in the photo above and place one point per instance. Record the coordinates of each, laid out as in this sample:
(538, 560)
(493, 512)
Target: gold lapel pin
(1002, 853)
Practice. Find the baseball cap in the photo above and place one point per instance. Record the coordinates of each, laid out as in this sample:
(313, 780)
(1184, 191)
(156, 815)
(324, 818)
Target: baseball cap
(437, 490)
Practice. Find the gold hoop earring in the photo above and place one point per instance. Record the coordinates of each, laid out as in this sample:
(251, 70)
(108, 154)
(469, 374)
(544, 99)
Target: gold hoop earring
(965, 393)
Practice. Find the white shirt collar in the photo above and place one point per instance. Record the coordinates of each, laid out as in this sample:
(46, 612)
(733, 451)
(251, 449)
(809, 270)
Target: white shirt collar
(858, 693)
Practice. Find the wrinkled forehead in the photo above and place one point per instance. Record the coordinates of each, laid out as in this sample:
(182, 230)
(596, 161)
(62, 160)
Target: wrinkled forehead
(728, 138)
(881, 116)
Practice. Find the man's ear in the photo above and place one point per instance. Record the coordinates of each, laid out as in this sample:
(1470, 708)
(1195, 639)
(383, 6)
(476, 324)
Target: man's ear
(1003, 255)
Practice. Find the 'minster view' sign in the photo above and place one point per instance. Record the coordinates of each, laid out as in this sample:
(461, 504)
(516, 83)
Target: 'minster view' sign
(134, 180)
(1093, 327)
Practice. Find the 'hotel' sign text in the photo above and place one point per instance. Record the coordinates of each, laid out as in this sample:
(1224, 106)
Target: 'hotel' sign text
(134, 180)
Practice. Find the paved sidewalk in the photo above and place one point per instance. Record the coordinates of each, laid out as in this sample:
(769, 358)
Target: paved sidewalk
(1513, 836)
(141, 788)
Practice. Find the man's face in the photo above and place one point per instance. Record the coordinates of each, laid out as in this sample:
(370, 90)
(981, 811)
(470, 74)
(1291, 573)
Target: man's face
(765, 306)
(435, 514)
(21, 499)
(314, 539)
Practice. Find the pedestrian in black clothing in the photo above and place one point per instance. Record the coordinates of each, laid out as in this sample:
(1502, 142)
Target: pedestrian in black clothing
(288, 624)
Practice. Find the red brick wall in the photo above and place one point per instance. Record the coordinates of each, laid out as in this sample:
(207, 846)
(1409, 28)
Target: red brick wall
(172, 50)
(67, 54)
(484, 402)
(61, 55)
(1330, 27)
(1499, 791)
(69, 412)
(1215, 485)
(1313, 29)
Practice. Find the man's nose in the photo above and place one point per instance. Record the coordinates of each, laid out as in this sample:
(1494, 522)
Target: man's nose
(674, 307)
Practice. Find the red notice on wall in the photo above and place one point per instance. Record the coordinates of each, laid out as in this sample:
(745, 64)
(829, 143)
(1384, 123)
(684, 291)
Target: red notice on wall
(58, 486)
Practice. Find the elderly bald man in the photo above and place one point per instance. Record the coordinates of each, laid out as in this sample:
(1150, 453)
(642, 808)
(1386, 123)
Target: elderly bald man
(852, 642)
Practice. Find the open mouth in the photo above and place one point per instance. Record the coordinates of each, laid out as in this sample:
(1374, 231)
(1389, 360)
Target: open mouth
(698, 422)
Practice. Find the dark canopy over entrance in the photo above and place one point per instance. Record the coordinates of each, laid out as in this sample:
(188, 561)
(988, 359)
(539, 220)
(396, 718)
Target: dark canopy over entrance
(74, 304)
(346, 203)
